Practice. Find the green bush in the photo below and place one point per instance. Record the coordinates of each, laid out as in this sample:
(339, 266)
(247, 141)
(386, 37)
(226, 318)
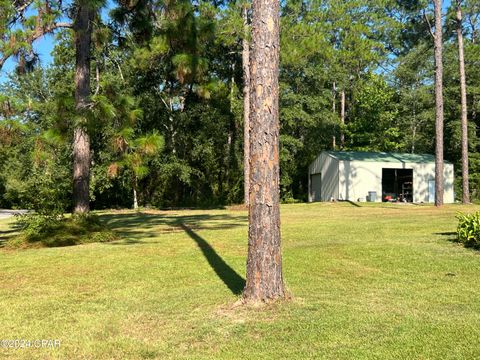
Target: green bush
(34, 224)
(468, 229)
(53, 231)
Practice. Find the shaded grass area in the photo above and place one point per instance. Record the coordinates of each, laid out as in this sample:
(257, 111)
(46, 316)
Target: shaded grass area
(6, 235)
(370, 282)
(31, 231)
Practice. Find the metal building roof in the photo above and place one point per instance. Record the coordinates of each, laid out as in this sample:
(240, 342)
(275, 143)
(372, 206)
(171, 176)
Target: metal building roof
(382, 157)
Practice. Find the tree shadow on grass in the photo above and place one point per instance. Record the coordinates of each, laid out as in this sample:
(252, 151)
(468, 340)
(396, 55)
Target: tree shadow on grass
(6, 235)
(135, 227)
(448, 236)
(446, 233)
(352, 203)
(229, 276)
(452, 236)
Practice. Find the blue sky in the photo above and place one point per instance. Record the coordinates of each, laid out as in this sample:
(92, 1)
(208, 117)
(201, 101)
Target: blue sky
(45, 45)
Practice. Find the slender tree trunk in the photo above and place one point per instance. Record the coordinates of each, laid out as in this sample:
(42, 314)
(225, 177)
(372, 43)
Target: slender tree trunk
(264, 263)
(334, 98)
(246, 105)
(463, 93)
(414, 134)
(135, 200)
(81, 170)
(230, 159)
(472, 21)
(334, 109)
(438, 39)
(81, 140)
(414, 121)
(342, 119)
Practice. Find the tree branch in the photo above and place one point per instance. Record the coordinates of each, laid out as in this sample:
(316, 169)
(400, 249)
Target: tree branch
(430, 29)
(97, 78)
(2, 62)
(39, 32)
(20, 8)
(119, 68)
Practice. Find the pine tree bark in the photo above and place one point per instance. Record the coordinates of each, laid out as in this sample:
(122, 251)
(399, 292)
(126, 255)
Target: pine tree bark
(334, 109)
(81, 141)
(342, 119)
(264, 264)
(246, 106)
(438, 41)
(231, 163)
(463, 95)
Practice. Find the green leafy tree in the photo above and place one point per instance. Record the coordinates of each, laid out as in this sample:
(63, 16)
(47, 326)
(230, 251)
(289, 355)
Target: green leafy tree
(134, 155)
(21, 29)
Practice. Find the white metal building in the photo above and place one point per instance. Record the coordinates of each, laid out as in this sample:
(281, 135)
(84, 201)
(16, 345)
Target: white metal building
(372, 176)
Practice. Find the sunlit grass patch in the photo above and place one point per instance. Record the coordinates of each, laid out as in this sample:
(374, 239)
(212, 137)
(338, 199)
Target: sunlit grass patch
(379, 281)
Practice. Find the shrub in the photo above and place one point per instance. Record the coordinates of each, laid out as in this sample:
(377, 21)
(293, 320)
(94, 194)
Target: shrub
(34, 224)
(468, 229)
(43, 231)
(46, 193)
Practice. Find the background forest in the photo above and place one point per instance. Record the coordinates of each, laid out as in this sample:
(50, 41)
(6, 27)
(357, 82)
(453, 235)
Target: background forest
(166, 112)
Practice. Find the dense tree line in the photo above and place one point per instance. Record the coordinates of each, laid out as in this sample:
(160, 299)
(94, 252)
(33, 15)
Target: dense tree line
(159, 115)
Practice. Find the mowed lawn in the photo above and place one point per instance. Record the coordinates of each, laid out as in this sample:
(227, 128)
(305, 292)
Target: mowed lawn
(367, 282)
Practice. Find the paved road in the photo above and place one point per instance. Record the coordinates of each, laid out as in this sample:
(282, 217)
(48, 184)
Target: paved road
(8, 213)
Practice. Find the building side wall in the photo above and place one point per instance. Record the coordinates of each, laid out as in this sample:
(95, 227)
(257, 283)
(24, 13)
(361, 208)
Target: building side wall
(330, 179)
(327, 166)
(352, 180)
(357, 178)
(449, 180)
(423, 174)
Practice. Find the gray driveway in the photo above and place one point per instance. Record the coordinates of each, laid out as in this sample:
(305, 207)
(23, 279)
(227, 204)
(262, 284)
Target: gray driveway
(4, 214)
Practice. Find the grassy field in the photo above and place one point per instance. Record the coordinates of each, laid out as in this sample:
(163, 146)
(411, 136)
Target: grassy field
(368, 282)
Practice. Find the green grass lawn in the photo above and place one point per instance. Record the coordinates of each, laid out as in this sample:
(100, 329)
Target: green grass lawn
(369, 282)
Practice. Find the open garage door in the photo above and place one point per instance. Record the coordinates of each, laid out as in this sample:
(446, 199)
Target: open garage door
(397, 185)
(316, 187)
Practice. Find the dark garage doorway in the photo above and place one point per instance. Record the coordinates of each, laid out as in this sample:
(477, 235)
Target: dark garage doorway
(316, 187)
(397, 185)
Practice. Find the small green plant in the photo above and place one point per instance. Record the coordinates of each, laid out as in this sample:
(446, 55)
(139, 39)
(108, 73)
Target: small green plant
(468, 229)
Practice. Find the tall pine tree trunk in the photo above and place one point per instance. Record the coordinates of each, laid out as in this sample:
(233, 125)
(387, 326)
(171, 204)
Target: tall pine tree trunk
(463, 93)
(246, 105)
(438, 39)
(264, 263)
(135, 199)
(81, 140)
(230, 159)
(334, 109)
(342, 119)
(334, 98)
